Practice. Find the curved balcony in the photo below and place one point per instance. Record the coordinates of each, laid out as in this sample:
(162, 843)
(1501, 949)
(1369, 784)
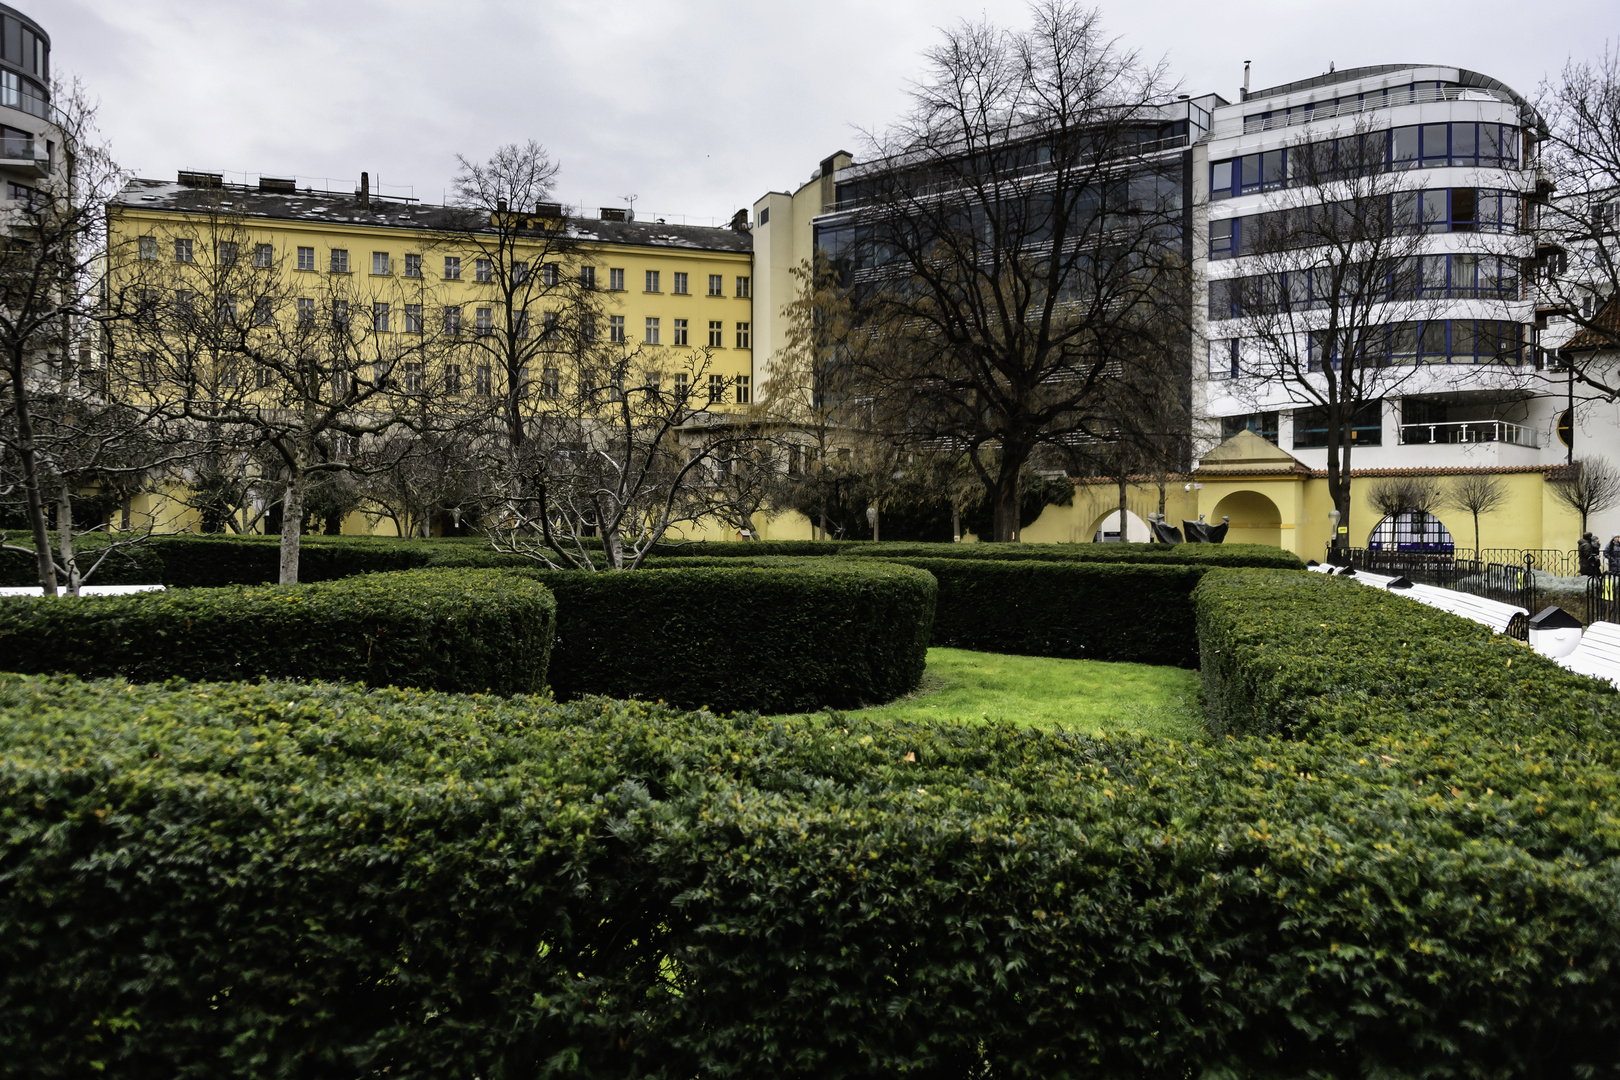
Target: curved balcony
(1468, 431)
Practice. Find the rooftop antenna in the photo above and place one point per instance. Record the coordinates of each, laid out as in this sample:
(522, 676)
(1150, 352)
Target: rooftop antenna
(631, 214)
(1245, 80)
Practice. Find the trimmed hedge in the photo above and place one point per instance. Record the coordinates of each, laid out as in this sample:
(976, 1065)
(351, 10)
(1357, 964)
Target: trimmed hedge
(1032, 607)
(1302, 654)
(774, 636)
(279, 879)
(1255, 555)
(444, 630)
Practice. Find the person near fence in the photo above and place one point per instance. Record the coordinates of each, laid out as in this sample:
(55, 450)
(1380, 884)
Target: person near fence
(1587, 549)
(1611, 554)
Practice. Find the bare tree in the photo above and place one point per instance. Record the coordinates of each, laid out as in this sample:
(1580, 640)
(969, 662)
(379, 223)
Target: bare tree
(1577, 270)
(292, 380)
(1016, 241)
(1588, 486)
(1475, 494)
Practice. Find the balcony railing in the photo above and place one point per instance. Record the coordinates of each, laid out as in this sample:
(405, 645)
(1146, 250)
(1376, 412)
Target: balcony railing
(1329, 109)
(17, 149)
(1468, 431)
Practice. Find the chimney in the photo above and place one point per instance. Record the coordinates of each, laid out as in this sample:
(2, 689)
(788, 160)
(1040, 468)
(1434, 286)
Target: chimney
(1245, 81)
(365, 191)
(500, 206)
(739, 221)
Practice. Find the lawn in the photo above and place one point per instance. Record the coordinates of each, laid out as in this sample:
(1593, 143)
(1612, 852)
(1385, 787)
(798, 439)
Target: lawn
(1081, 695)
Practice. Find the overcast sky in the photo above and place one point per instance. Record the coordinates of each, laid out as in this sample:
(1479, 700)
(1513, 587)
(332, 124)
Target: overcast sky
(697, 107)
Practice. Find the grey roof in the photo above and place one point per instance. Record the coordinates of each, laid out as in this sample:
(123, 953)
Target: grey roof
(339, 209)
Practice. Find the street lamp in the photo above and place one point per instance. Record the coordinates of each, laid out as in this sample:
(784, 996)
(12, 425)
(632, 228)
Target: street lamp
(1333, 523)
(871, 519)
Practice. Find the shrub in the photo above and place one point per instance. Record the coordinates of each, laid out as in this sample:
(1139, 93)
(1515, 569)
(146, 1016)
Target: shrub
(446, 630)
(1296, 654)
(1256, 555)
(776, 637)
(276, 879)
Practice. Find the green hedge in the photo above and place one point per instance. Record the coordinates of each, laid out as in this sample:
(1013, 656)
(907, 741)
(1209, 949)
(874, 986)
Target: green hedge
(1031, 607)
(445, 630)
(778, 636)
(292, 879)
(1299, 654)
(1255, 555)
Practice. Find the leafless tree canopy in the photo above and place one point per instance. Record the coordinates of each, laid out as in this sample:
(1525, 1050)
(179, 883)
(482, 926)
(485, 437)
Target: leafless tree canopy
(1394, 495)
(1476, 494)
(1016, 243)
(1589, 486)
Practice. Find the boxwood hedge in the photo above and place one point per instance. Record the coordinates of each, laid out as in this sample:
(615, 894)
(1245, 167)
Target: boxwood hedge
(290, 879)
(774, 635)
(1255, 555)
(446, 630)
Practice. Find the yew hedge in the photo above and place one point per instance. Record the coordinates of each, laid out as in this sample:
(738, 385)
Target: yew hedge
(444, 630)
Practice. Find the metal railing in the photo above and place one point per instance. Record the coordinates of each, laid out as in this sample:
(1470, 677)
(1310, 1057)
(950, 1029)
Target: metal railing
(1468, 431)
(1507, 583)
(14, 149)
(1327, 110)
(1550, 560)
(1603, 598)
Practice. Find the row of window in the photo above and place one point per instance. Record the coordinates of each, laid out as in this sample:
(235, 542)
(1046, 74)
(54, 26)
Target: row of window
(1350, 104)
(227, 252)
(1436, 210)
(1434, 341)
(412, 379)
(1311, 426)
(1455, 276)
(1410, 147)
(382, 319)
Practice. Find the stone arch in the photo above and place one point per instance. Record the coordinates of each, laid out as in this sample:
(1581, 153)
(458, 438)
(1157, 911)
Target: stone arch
(1108, 522)
(1255, 518)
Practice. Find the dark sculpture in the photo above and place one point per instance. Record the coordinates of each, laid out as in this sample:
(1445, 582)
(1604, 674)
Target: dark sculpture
(1201, 532)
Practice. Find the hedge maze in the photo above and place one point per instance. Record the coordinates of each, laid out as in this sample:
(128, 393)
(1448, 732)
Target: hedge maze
(1397, 854)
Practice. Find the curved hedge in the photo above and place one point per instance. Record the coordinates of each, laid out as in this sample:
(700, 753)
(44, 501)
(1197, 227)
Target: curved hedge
(292, 879)
(1253, 555)
(445, 630)
(781, 636)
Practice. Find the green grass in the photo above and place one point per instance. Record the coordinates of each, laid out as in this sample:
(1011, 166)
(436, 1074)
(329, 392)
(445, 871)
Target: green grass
(1080, 695)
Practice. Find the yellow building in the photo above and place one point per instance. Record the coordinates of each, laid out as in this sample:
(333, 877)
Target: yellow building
(415, 272)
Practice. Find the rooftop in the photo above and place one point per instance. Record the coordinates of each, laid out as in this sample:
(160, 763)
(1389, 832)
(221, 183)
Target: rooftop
(378, 212)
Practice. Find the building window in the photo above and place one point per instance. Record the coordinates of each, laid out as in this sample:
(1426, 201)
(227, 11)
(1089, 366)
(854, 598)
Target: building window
(483, 322)
(587, 328)
(306, 311)
(652, 280)
(1263, 424)
(182, 251)
(1412, 530)
(482, 270)
(522, 324)
(615, 279)
(717, 389)
(550, 382)
(263, 312)
(414, 383)
(340, 261)
(680, 283)
(263, 256)
(717, 332)
(342, 383)
(1366, 429)
(652, 332)
(743, 391)
(548, 324)
(616, 329)
(340, 314)
(413, 266)
(379, 262)
(682, 388)
(264, 377)
(716, 285)
(481, 381)
(148, 247)
(306, 258)
(680, 332)
(587, 277)
(452, 268)
(413, 318)
(225, 252)
(1223, 238)
(1223, 358)
(743, 288)
(452, 321)
(550, 275)
(742, 335)
(379, 316)
(452, 378)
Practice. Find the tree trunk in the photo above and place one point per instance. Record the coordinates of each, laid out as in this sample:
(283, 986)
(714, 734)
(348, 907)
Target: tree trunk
(956, 524)
(613, 549)
(1124, 528)
(31, 482)
(292, 527)
(1006, 502)
(64, 539)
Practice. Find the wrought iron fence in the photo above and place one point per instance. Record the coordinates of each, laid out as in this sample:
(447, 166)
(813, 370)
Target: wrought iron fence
(1603, 598)
(1507, 583)
(1552, 560)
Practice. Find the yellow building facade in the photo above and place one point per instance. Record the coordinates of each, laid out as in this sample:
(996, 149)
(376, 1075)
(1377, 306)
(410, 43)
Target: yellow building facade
(668, 289)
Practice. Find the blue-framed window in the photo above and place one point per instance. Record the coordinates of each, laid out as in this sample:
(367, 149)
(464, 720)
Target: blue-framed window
(1226, 238)
(1366, 427)
(1223, 358)
(1263, 424)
